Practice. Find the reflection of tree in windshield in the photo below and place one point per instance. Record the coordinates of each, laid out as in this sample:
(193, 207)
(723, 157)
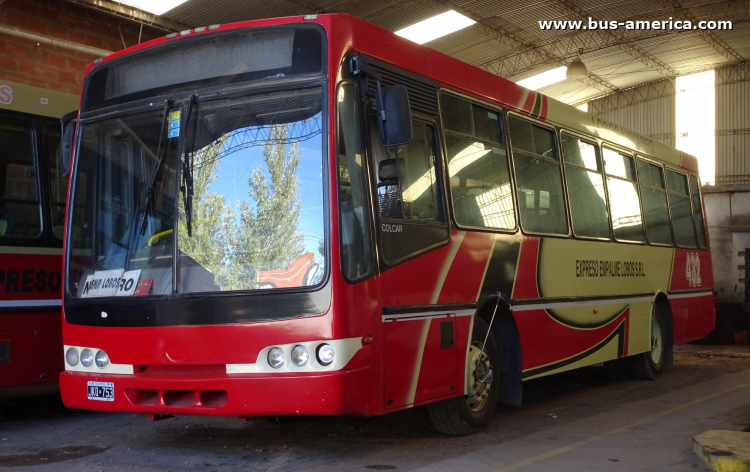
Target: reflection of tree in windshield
(235, 247)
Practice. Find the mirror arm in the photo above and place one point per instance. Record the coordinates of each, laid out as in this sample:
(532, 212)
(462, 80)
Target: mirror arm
(358, 66)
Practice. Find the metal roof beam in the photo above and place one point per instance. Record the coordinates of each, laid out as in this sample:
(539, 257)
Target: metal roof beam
(568, 45)
(536, 53)
(731, 74)
(680, 13)
(567, 8)
(133, 14)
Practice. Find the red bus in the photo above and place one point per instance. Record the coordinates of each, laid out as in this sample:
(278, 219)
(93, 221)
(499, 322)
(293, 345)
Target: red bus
(33, 190)
(311, 215)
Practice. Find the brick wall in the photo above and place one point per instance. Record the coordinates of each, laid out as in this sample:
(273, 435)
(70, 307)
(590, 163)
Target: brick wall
(53, 67)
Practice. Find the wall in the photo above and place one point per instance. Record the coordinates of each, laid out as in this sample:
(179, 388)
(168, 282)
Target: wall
(733, 124)
(637, 109)
(728, 215)
(60, 69)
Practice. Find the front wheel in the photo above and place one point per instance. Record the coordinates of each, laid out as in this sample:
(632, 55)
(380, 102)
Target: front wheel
(649, 365)
(466, 414)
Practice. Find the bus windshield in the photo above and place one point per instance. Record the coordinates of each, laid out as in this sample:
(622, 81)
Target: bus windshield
(240, 179)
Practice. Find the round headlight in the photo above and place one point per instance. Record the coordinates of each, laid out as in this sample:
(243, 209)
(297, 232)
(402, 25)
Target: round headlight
(71, 356)
(300, 356)
(101, 359)
(276, 357)
(325, 354)
(87, 358)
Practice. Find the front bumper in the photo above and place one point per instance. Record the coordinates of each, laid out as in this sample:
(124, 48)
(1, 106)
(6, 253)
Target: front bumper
(341, 392)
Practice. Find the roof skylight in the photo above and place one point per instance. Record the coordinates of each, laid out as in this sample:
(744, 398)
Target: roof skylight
(435, 27)
(544, 79)
(157, 7)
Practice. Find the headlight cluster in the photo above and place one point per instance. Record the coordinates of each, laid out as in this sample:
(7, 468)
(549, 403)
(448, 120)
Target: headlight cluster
(86, 357)
(300, 356)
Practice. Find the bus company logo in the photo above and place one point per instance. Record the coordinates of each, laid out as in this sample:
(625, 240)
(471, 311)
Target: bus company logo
(392, 228)
(693, 269)
(6, 94)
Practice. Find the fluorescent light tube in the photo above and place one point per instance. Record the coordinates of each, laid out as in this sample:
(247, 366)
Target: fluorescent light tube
(435, 27)
(544, 79)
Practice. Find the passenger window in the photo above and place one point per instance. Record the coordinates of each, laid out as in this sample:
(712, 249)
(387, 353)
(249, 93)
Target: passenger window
(654, 197)
(477, 165)
(625, 207)
(682, 213)
(19, 197)
(538, 181)
(356, 257)
(583, 173)
(407, 179)
(700, 230)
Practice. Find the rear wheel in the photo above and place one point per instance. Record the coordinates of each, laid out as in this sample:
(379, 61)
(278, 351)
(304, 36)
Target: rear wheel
(466, 414)
(649, 365)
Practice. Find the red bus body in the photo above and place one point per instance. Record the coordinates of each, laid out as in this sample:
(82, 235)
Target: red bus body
(30, 252)
(400, 360)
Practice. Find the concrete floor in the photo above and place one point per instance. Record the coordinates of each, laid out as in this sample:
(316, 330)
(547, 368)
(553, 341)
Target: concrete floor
(569, 422)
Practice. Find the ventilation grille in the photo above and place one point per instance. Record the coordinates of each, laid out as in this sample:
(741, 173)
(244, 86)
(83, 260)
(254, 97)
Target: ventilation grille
(422, 94)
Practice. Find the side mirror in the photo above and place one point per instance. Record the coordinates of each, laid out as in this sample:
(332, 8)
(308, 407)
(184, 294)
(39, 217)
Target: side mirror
(394, 116)
(388, 171)
(68, 124)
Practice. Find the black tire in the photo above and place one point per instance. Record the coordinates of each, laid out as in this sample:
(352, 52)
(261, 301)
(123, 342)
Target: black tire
(649, 365)
(454, 416)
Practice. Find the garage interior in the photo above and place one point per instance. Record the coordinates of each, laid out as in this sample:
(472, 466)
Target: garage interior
(687, 89)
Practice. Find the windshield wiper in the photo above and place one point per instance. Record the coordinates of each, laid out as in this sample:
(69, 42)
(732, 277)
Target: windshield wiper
(159, 164)
(187, 171)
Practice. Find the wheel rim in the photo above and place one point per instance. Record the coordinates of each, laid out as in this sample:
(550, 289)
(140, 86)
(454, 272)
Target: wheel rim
(657, 343)
(478, 365)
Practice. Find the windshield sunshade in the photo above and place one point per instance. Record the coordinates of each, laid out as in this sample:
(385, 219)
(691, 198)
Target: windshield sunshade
(241, 178)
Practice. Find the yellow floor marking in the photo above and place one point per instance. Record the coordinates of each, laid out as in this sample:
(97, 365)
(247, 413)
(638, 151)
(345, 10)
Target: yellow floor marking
(612, 432)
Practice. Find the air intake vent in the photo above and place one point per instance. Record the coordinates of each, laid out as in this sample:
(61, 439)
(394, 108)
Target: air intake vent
(422, 91)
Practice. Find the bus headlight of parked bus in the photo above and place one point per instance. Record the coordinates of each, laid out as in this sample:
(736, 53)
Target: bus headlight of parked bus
(101, 359)
(276, 357)
(325, 354)
(87, 358)
(300, 356)
(71, 357)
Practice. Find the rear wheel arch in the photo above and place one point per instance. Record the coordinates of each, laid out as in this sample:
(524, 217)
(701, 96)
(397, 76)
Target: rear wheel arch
(665, 308)
(505, 331)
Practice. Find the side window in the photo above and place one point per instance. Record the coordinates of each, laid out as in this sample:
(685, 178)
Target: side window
(58, 182)
(583, 173)
(654, 198)
(700, 230)
(407, 177)
(356, 257)
(19, 192)
(409, 203)
(541, 203)
(682, 213)
(625, 207)
(477, 165)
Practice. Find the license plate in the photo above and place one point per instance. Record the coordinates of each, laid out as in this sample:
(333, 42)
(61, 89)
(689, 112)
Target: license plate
(101, 391)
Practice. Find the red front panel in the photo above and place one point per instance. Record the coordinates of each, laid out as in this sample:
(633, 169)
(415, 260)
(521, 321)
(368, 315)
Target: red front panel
(30, 328)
